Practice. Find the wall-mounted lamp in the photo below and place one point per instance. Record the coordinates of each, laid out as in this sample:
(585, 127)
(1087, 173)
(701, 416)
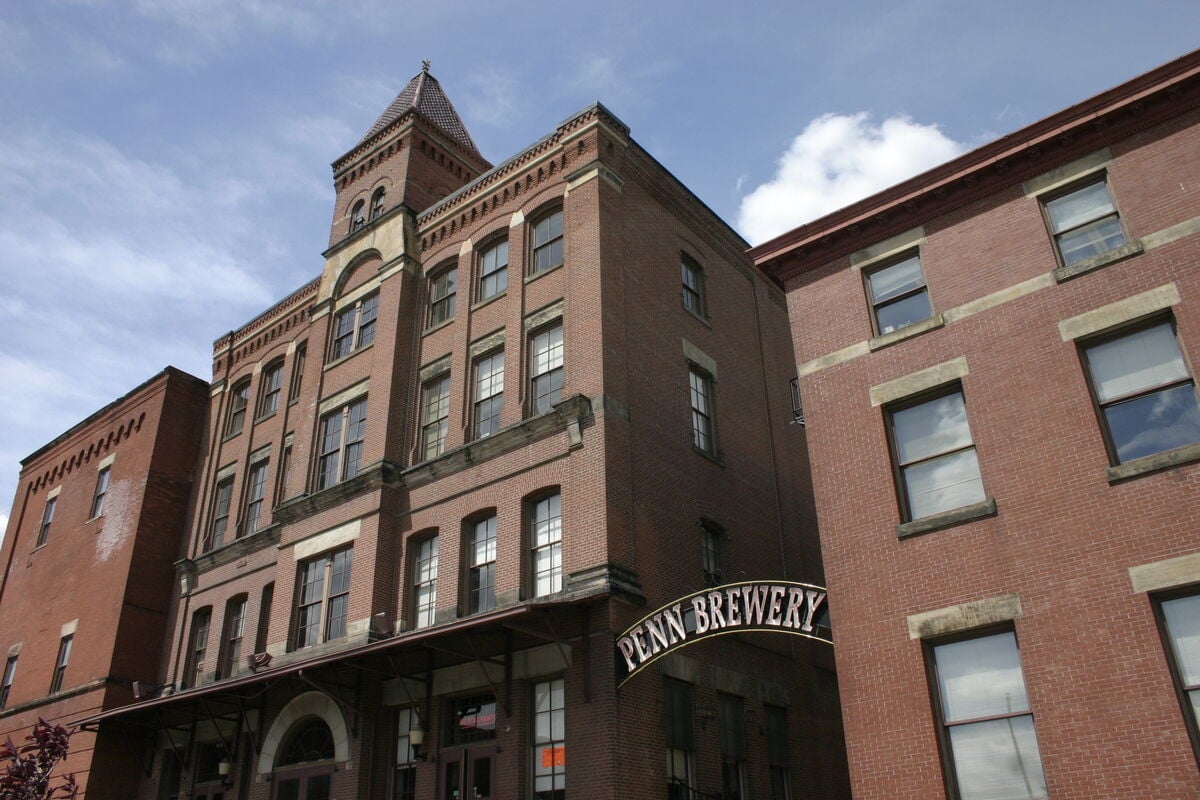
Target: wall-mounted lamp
(223, 769)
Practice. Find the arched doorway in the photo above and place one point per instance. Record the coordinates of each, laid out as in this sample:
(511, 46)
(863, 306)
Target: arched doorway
(304, 766)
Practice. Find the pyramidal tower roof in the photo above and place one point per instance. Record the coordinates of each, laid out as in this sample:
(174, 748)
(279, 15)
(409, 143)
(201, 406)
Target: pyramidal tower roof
(425, 94)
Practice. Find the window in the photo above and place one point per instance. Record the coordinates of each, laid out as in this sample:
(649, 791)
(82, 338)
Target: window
(255, 493)
(1146, 398)
(489, 394)
(470, 719)
(60, 664)
(545, 368)
(405, 786)
(101, 491)
(354, 327)
(435, 417)
(898, 295)
(777, 753)
(1179, 620)
(1084, 223)
(549, 741)
(481, 567)
(377, 203)
(323, 598)
(220, 513)
(934, 456)
(731, 724)
(547, 243)
(712, 557)
(231, 638)
(692, 278)
(700, 389)
(197, 648)
(238, 399)
(493, 270)
(546, 538)
(357, 216)
(680, 739)
(47, 518)
(425, 582)
(297, 371)
(269, 388)
(10, 671)
(985, 723)
(342, 434)
(441, 296)
(285, 474)
(264, 618)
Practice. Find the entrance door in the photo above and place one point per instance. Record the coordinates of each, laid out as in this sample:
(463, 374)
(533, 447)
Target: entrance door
(304, 784)
(467, 774)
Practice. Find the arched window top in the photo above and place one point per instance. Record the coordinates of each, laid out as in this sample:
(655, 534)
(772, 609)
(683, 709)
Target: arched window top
(310, 741)
(377, 202)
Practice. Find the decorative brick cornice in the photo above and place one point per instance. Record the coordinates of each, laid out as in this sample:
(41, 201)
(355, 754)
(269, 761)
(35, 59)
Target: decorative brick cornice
(284, 315)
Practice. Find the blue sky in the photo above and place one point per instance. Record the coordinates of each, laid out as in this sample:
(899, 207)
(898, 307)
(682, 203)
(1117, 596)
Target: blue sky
(164, 164)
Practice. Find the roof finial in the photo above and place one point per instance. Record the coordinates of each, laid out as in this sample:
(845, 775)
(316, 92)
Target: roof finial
(425, 65)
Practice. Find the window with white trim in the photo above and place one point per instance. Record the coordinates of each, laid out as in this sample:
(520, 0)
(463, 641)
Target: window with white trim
(692, 282)
(256, 493)
(270, 385)
(60, 663)
(546, 542)
(101, 492)
(700, 390)
(231, 637)
(481, 565)
(323, 598)
(47, 518)
(898, 295)
(1179, 621)
(435, 416)
(545, 368)
(443, 289)
(425, 570)
(547, 243)
(493, 270)
(219, 522)
(239, 398)
(341, 443)
(193, 672)
(489, 394)
(354, 326)
(10, 672)
(549, 740)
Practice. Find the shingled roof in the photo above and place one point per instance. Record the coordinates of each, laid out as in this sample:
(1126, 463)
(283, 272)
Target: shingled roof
(425, 94)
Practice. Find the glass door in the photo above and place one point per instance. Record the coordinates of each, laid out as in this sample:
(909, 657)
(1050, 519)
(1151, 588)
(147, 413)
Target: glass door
(467, 774)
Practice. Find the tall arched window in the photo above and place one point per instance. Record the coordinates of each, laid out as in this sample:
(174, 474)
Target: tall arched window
(377, 203)
(357, 215)
(304, 769)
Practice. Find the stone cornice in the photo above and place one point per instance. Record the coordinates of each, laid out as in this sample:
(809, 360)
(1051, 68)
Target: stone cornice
(275, 314)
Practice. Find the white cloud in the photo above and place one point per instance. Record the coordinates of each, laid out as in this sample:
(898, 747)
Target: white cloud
(493, 95)
(835, 161)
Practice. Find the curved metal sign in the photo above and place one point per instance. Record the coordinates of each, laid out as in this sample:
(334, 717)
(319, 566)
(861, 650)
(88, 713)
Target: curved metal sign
(774, 606)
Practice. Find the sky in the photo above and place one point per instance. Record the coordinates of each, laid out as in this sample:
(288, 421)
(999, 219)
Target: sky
(164, 164)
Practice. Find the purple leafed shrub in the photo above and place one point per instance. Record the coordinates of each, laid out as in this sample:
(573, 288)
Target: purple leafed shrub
(25, 770)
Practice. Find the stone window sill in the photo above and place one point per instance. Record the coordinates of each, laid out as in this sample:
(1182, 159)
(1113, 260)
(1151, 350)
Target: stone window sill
(330, 365)
(533, 276)
(946, 519)
(1159, 461)
(438, 327)
(1127, 250)
(489, 300)
(907, 332)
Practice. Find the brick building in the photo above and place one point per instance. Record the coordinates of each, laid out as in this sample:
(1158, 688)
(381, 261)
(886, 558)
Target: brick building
(521, 406)
(100, 506)
(997, 365)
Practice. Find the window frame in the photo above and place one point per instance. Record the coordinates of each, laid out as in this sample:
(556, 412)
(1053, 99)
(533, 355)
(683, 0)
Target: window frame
(60, 662)
(1075, 187)
(712, 551)
(339, 455)
(44, 527)
(693, 294)
(443, 294)
(103, 475)
(376, 206)
(405, 765)
(327, 628)
(555, 687)
(679, 696)
(363, 316)
(1123, 331)
(233, 634)
(10, 674)
(297, 380)
(221, 510)
(494, 407)
(358, 219)
(875, 305)
(702, 384)
(1182, 691)
(438, 427)
(235, 415)
(942, 726)
(898, 477)
(536, 248)
(554, 355)
(198, 634)
(255, 500)
(495, 276)
(270, 387)
(479, 585)
(552, 545)
(424, 614)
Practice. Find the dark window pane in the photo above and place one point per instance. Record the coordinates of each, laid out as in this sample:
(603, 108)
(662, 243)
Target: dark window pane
(1155, 422)
(906, 311)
